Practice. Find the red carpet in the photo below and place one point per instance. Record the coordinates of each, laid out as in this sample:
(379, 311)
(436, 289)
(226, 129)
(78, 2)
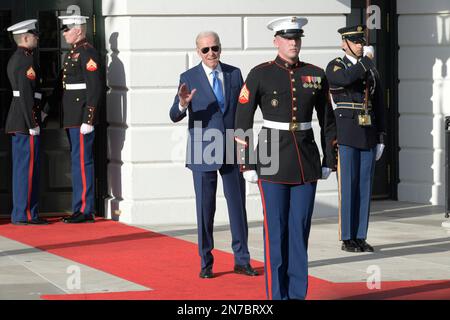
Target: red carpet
(170, 266)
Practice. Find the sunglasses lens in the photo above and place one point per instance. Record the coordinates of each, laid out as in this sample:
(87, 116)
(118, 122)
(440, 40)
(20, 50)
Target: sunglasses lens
(206, 49)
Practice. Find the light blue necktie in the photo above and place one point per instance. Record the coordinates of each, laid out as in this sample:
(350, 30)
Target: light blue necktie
(218, 91)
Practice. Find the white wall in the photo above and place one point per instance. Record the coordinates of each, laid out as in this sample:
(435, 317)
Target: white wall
(149, 44)
(424, 97)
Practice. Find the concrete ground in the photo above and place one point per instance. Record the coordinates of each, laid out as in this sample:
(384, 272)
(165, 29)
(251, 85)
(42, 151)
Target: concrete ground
(409, 240)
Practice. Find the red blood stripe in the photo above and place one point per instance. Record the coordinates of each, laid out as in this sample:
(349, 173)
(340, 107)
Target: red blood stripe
(30, 177)
(269, 269)
(83, 173)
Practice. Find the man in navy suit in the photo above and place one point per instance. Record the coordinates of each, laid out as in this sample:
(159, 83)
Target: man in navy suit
(209, 93)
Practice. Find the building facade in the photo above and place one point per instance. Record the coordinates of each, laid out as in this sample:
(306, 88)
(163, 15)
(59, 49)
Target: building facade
(141, 177)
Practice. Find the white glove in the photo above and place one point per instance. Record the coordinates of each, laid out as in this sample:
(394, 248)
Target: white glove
(43, 116)
(250, 176)
(368, 49)
(35, 131)
(86, 128)
(380, 148)
(326, 172)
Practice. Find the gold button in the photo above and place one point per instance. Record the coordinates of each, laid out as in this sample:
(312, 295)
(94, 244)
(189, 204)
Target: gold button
(294, 98)
(65, 69)
(64, 76)
(295, 109)
(71, 51)
(294, 118)
(68, 57)
(66, 63)
(78, 99)
(294, 89)
(292, 72)
(293, 80)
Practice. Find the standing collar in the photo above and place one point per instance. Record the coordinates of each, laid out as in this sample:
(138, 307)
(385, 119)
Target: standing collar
(280, 61)
(26, 51)
(79, 43)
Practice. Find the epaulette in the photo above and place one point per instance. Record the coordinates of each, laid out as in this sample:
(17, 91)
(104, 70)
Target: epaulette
(264, 64)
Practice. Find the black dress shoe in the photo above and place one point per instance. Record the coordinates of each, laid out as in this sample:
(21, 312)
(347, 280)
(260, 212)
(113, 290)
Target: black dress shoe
(38, 221)
(20, 223)
(245, 269)
(350, 246)
(79, 217)
(365, 247)
(206, 273)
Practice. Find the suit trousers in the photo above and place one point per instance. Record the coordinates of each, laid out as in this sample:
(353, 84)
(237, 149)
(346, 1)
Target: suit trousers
(205, 185)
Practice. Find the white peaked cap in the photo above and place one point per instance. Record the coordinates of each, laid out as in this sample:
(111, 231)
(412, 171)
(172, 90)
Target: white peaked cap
(23, 26)
(78, 20)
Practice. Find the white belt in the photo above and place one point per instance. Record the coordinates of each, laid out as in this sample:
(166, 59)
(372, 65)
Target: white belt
(37, 95)
(291, 126)
(75, 86)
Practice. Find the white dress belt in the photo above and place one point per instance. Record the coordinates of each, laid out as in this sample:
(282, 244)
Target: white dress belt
(37, 95)
(75, 86)
(291, 126)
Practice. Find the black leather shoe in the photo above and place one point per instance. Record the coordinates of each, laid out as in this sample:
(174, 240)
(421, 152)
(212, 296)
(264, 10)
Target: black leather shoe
(245, 269)
(20, 223)
(365, 247)
(79, 217)
(350, 246)
(38, 221)
(206, 273)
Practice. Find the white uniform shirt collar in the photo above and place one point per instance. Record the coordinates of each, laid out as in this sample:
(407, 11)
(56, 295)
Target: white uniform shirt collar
(352, 59)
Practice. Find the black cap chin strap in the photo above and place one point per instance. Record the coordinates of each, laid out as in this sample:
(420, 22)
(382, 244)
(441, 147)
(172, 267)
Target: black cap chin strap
(350, 48)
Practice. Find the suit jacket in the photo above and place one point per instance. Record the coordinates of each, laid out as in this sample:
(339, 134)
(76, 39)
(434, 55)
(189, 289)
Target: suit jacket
(204, 114)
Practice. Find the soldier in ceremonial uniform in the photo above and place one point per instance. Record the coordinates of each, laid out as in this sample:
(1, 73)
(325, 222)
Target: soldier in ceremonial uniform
(360, 133)
(81, 93)
(23, 124)
(287, 90)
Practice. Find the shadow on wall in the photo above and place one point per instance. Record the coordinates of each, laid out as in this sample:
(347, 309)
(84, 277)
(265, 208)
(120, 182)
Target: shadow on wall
(117, 120)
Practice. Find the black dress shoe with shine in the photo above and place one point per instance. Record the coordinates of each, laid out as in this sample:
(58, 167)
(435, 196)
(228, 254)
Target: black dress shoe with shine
(79, 217)
(38, 221)
(365, 247)
(245, 269)
(206, 273)
(20, 223)
(350, 246)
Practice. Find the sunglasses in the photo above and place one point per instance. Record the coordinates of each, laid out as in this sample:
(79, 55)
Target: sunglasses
(205, 50)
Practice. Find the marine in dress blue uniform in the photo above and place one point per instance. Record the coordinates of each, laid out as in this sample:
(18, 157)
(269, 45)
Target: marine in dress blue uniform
(287, 91)
(360, 133)
(23, 123)
(81, 91)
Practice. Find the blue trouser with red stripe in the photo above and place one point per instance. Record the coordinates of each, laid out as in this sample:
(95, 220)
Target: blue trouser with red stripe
(25, 156)
(287, 221)
(83, 192)
(355, 173)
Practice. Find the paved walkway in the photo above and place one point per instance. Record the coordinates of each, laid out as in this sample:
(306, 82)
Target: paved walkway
(408, 238)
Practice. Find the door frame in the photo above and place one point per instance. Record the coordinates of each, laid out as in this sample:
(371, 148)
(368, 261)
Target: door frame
(100, 146)
(387, 39)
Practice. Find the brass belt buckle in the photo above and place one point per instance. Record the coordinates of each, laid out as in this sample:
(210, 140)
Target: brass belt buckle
(364, 120)
(293, 126)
